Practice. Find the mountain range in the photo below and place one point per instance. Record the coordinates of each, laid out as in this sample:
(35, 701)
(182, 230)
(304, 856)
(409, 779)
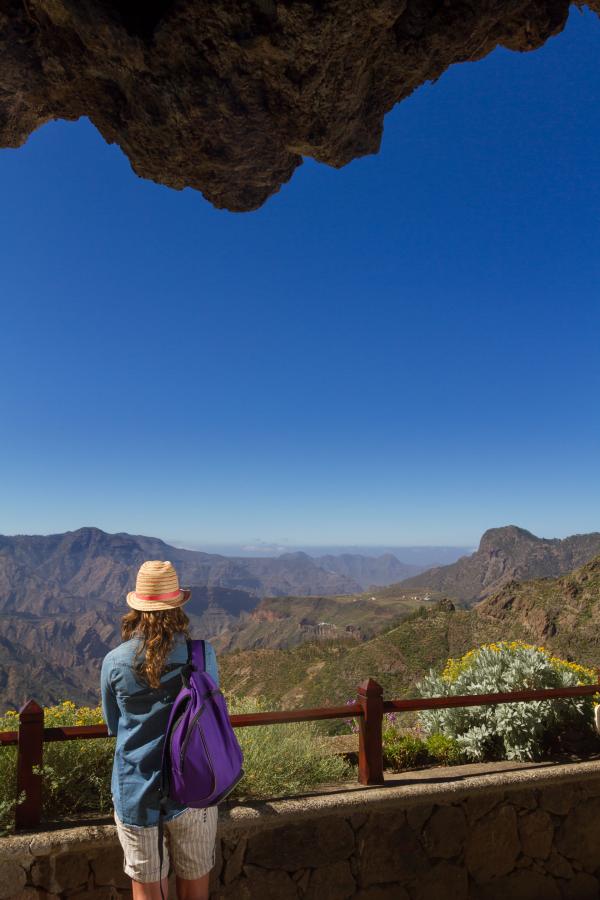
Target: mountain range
(69, 572)
(61, 598)
(62, 595)
(506, 554)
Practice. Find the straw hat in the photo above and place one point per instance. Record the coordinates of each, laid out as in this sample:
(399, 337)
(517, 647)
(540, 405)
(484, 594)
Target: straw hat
(157, 587)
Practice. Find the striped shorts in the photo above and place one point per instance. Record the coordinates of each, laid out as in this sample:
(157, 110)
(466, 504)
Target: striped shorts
(189, 843)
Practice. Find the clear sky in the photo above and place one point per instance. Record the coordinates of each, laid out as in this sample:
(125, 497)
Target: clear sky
(403, 351)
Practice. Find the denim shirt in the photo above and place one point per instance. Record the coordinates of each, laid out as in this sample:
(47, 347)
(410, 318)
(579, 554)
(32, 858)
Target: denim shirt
(138, 715)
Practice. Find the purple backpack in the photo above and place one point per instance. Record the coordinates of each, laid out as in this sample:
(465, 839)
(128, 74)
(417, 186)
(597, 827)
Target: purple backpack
(202, 760)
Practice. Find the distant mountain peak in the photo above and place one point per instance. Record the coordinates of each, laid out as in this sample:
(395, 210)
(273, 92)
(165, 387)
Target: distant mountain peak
(294, 554)
(496, 538)
(88, 529)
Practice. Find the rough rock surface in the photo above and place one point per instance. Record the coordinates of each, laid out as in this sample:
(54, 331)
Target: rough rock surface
(227, 96)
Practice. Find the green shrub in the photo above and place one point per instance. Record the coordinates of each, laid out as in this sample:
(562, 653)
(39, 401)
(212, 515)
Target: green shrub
(8, 785)
(403, 751)
(76, 774)
(520, 731)
(444, 750)
(407, 749)
(284, 759)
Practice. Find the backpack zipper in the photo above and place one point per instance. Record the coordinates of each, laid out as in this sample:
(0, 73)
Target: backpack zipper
(210, 762)
(192, 725)
(188, 735)
(173, 729)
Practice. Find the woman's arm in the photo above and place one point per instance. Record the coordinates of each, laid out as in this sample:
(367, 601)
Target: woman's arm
(110, 708)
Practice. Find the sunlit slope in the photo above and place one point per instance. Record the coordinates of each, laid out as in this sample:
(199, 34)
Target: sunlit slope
(560, 613)
(285, 622)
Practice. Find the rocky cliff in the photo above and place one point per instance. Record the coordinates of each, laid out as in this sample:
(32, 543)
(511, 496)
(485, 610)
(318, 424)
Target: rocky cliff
(227, 96)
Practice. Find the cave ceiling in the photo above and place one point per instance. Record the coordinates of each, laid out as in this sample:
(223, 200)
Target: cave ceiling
(226, 96)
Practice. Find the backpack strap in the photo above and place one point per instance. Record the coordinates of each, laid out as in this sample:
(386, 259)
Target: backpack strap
(187, 666)
(197, 655)
(161, 838)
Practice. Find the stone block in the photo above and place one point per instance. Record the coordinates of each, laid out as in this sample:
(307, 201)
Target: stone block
(582, 887)
(558, 799)
(236, 890)
(310, 844)
(270, 884)
(477, 806)
(31, 893)
(536, 832)
(334, 882)
(493, 845)
(522, 799)
(71, 870)
(42, 873)
(558, 866)
(358, 820)
(442, 882)
(389, 851)
(107, 869)
(445, 832)
(102, 893)
(12, 878)
(233, 865)
(519, 885)
(591, 788)
(302, 877)
(383, 892)
(416, 816)
(578, 837)
(65, 872)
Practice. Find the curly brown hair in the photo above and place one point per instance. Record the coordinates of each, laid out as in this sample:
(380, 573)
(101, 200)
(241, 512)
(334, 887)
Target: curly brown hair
(157, 631)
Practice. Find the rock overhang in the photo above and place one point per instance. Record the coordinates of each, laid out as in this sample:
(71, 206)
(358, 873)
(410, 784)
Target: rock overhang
(228, 96)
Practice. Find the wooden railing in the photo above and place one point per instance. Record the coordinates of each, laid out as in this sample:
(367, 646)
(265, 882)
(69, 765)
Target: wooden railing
(369, 709)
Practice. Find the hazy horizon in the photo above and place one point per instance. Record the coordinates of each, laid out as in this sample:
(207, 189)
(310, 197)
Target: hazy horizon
(423, 555)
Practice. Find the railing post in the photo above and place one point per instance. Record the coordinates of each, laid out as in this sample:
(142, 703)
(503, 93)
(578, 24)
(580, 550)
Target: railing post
(370, 748)
(30, 753)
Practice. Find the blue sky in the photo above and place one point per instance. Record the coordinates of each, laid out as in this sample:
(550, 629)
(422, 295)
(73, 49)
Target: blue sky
(402, 351)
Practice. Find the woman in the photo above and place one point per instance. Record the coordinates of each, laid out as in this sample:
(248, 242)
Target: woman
(140, 680)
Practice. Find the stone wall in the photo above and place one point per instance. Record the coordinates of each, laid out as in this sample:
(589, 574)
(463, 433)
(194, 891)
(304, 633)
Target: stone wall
(525, 833)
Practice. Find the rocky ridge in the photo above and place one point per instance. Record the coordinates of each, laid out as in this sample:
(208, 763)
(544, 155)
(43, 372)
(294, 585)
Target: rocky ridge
(88, 568)
(228, 97)
(506, 554)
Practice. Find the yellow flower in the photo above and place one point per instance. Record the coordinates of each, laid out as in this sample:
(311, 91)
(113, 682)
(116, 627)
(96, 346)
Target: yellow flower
(455, 667)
